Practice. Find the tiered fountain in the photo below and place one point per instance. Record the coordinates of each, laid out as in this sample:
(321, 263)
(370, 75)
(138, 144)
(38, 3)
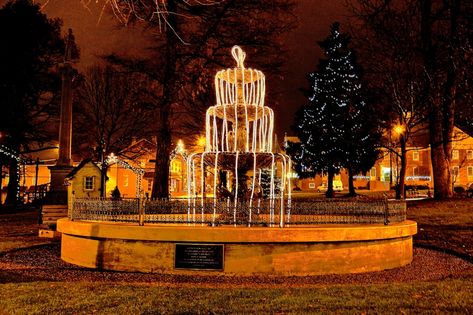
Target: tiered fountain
(239, 146)
(238, 230)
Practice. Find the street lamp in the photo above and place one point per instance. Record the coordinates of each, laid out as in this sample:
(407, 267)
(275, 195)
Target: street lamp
(201, 141)
(399, 129)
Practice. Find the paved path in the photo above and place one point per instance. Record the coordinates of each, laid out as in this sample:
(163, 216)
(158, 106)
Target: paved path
(42, 263)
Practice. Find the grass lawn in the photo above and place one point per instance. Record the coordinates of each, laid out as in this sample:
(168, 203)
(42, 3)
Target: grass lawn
(19, 230)
(448, 296)
(446, 226)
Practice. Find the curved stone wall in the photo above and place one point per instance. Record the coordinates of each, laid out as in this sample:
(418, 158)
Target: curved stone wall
(301, 250)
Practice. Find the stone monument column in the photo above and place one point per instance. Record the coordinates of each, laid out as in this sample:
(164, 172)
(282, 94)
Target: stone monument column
(64, 162)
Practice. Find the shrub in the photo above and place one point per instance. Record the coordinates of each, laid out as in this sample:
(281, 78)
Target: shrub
(459, 189)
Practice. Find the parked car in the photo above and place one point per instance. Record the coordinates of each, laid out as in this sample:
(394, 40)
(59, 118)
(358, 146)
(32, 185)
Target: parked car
(337, 186)
(322, 188)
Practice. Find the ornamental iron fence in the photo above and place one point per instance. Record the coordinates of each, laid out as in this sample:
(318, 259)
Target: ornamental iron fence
(262, 212)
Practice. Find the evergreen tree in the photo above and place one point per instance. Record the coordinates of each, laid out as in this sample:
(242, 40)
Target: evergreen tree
(362, 137)
(32, 47)
(336, 128)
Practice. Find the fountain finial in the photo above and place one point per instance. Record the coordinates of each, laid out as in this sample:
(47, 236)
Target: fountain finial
(239, 56)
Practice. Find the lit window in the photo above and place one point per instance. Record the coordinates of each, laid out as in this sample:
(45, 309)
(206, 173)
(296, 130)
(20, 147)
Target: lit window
(455, 155)
(311, 185)
(125, 181)
(470, 171)
(415, 155)
(469, 154)
(89, 182)
(150, 185)
(173, 185)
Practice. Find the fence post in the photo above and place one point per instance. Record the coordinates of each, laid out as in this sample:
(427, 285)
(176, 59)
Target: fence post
(386, 211)
(141, 212)
(70, 208)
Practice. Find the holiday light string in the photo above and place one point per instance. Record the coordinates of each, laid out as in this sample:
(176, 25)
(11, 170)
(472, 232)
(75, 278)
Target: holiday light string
(10, 153)
(238, 126)
(139, 172)
(333, 86)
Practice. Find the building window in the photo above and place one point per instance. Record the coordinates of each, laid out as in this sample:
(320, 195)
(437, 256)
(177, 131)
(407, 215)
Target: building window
(469, 154)
(150, 185)
(415, 171)
(125, 181)
(470, 171)
(415, 155)
(311, 185)
(455, 155)
(175, 166)
(89, 182)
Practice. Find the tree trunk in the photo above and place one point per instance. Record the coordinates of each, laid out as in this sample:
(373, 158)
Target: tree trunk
(440, 155)
(351, 186)
(103, 170)
(163, 151)
(401, 191)
(442, 106)
(103, 181)
(163, 144)
(331, 174)
(13, 183)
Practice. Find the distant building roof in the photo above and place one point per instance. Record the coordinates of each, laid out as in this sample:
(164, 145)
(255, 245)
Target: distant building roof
(80, 166)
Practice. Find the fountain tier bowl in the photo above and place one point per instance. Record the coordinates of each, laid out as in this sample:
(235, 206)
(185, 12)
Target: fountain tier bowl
(297, 250)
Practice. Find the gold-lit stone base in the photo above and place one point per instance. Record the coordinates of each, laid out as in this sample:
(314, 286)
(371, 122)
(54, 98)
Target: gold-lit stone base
(301, 250)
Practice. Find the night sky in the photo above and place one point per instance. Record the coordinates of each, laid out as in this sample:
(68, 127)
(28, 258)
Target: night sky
(314, 18)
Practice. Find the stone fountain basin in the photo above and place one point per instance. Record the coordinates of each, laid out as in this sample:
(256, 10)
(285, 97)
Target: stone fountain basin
(301, 250)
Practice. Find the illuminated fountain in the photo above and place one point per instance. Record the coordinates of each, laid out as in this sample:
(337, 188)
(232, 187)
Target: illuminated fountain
(231, 225)
(239, 145)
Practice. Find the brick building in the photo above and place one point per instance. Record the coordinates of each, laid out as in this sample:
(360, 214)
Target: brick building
(384, 173)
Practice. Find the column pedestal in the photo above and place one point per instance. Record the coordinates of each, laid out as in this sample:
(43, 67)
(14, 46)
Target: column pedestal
(58, 190)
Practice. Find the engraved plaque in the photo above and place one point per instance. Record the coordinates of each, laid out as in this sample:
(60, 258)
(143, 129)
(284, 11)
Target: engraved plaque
(198, 256)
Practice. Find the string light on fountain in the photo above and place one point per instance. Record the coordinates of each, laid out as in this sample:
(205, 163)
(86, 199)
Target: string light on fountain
(238, 144)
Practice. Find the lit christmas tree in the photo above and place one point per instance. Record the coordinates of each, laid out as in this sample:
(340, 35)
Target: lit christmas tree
(362, 138)
(334, 128)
